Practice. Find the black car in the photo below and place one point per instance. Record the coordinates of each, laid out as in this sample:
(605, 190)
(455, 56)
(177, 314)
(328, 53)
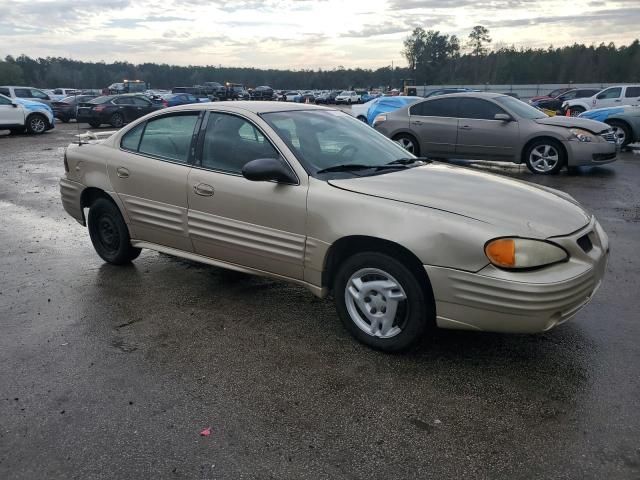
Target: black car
(263, 92)
(65, 109)
(556, 103)
(327, 98)
(116, 110)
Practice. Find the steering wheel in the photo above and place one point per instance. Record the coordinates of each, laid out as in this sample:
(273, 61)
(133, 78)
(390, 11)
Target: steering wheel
(348, 148)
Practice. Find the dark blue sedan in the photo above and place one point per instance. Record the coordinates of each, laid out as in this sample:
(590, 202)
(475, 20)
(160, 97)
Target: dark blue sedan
(174, 99)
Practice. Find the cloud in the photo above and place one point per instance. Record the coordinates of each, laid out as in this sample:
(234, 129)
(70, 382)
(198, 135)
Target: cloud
(385, 28)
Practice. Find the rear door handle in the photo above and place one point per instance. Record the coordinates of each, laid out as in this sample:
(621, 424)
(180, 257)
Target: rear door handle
(122, 172)
(203, 190)
(465, 127)
(417, 122)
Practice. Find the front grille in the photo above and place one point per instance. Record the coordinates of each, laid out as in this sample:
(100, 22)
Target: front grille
(609, 136)
(585, 244)
(603, 157)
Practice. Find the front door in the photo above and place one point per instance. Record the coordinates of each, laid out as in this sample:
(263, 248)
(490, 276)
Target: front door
(611, 97)
(482, 137)
(435, 125)
(260, 225)
(150, 177)
(10, 114)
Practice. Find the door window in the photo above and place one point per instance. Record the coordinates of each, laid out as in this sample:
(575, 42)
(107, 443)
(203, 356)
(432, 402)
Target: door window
(131, 139)
(231, 142)
(39, 94)
(632, 92)
(123, 101)
(22, 92)
(141, 102)
(443, 107)
(610, 93)
(5, 91)
(477, 109)
(5, 101)
(168, 137)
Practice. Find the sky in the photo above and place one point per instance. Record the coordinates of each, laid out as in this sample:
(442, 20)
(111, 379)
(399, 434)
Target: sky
(294, 34)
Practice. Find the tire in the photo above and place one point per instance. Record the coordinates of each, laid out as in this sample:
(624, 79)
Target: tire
(349, 101)
(37, 124)
(622, 132)
(362, 119)
(354, 292)
(408, 142)
(95, 124)
(116, 120)
(577, 110)
(109, 233)
(545, 156)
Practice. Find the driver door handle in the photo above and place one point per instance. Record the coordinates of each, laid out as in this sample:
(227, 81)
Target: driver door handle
(465, 127)
(203, 190)
(417, 122)
(122, 172)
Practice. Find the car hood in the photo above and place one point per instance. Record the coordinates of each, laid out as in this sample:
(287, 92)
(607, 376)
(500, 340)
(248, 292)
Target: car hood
(514, 207)
(573, 122)
(32, 104)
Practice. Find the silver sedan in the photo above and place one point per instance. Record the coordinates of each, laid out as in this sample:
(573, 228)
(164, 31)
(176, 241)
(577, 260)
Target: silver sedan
(489, 126)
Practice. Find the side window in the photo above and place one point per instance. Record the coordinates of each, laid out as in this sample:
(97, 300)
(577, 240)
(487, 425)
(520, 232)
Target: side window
(610, 93)
(478, 109)
(569, 95)
(5, 101)
(123, 101)
(39, 94)
(632, 92)
(442, 107)
(141, 102)
(131, 139)
(5, 91)
(22, 92)
(169, 137)
(58, 91)
(231, 142)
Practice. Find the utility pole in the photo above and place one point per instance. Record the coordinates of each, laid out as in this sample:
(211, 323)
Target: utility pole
(392, 74)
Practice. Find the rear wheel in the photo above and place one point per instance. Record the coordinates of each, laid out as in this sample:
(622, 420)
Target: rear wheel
(408, 142)
(37, 124)
(575, 111)
(621, 131)
(545, 157)
(116, 120)
(95, 124)
(381, 302)
(109, 233)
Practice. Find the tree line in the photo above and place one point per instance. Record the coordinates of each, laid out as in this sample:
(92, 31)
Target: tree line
(432, 59)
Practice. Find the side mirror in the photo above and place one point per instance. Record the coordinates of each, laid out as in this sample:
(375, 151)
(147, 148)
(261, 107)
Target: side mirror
(503, 117)
(14, 104)
(268, 169)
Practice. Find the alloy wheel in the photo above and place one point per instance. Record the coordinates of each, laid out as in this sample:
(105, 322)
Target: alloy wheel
(544, 158)
(37, 125)
(376, 303)
(407, 144)
(619, 134)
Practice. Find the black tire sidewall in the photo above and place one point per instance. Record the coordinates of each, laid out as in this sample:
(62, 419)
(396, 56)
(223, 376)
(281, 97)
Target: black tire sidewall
(31, 119)
(125, 253)
(114, 123)
(543, 141)
(419, 306)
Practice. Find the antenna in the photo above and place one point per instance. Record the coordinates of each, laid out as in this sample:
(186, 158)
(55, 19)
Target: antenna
(75, 97)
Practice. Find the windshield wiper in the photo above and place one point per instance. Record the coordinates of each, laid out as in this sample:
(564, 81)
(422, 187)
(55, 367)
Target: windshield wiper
(409, 161)
(345, 167)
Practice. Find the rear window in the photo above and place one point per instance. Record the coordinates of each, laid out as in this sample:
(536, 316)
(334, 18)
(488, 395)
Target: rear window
(442, 107)
(632, 92)
(131, 139)
(169, 137)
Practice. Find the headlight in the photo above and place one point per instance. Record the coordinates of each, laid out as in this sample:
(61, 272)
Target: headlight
(581, 135)
(522, 253)
(379, 119)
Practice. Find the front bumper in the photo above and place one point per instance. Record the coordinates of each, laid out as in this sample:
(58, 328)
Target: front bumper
(522, 302)
(590, 153)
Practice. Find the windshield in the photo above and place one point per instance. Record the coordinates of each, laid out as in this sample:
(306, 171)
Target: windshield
(520, 108)
(325, 139)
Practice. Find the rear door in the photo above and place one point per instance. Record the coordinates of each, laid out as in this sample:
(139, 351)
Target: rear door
(632, 96)
(150, 174)
(480, 136)
(435, 125)
(141, 106)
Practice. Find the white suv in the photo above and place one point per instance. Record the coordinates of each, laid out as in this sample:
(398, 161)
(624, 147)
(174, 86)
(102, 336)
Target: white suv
(348, 96)
(609, 97)
(18, 115)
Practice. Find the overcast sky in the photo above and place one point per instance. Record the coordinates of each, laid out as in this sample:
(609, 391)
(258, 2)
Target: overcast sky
(294, 33)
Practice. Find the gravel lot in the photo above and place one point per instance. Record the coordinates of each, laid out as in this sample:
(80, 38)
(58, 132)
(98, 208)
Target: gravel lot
(112, 373)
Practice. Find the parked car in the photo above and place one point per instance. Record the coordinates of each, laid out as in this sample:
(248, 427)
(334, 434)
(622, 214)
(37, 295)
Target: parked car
(28, 93)
(306, 97)
(198, 92)
(446, 91)
(288, 191)
(236, 91)
(555, 104)
(174, 99)
(115, 110)
(263, 92)
(491, 126)
(65, 109)
(625, 122)
(290, 96)
(552, 94)
(60, 93)
(347, 96)
(369, 111)
(18, 115)
(327, 98)
(609, 97)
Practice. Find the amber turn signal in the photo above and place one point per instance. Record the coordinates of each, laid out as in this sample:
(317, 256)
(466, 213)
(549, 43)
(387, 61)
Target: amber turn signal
(502, 252)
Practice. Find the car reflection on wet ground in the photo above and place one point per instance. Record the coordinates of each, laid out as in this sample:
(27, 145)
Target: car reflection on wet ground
(110, 372)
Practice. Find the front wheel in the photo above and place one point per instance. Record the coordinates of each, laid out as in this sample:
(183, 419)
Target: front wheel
(408, 142)
(545, 157)
(575, 111)
(37, 124)
(109, 233)
(381, 302)
(117, 120)
(621, 131)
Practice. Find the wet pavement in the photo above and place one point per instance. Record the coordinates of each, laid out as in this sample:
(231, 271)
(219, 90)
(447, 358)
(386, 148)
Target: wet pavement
(112, 372)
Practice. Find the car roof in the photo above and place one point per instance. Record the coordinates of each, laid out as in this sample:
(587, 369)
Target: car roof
(487, 95)
(256, 107)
